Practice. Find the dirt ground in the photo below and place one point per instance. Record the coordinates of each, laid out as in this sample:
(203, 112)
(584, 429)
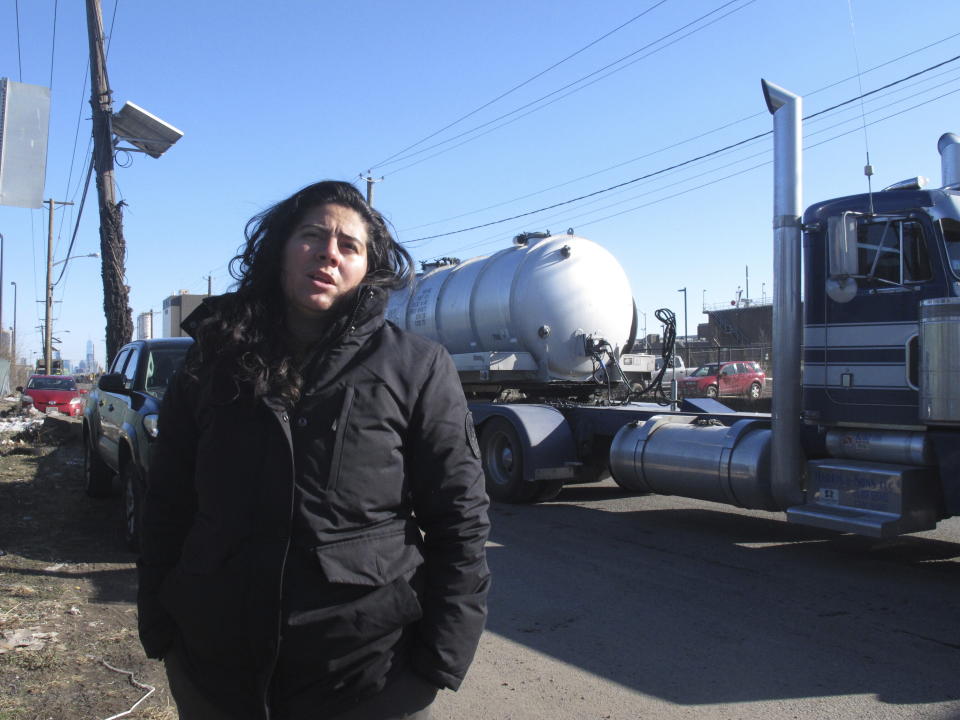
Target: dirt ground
(67, 588)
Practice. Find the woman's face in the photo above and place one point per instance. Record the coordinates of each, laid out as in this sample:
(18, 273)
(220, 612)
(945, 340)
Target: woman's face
(324, 261)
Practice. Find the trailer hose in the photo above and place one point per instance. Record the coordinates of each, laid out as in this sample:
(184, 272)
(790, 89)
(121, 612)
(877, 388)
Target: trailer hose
(654, 389)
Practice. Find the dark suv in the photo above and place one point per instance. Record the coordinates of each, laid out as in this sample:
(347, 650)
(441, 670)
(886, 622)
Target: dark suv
(120, 422)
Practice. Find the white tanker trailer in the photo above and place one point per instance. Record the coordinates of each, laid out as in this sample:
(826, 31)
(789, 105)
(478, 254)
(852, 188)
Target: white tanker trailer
(530, 314)
(866, 440)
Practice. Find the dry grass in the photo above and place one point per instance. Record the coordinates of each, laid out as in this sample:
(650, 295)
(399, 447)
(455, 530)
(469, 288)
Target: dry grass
(66, 578)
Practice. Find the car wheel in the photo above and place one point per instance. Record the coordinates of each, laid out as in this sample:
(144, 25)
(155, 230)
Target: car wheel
(755, 391)
(132, 505)
(712, 391)
(98, 480)
(501, 453)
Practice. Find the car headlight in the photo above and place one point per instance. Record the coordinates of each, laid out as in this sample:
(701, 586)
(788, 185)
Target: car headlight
(76, 400)
(150, 425)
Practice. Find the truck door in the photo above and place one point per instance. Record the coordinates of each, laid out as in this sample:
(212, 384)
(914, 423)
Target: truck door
(113, 406)
(869, 332)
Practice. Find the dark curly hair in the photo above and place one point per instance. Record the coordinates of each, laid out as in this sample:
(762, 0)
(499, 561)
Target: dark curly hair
(243, 335)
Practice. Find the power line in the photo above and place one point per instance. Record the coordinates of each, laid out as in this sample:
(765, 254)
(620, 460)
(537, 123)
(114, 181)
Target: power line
(680, 164)
(53, 43)
(570, 86)
(520, 85)
(678, 143)
(16, 9)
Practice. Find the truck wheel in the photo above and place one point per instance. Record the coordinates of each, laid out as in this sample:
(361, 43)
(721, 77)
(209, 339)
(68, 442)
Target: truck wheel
(712, 391)
(501, 453)
(98, 480)
(755, 391)
(132, 505)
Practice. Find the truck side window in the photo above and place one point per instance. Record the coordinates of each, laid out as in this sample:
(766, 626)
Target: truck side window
(892, 251)
(951, 237)
(130, 371)
(916, 261)
(119, 360)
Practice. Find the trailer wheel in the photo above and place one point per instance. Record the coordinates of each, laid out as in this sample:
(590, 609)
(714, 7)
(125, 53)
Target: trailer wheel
(501, 452)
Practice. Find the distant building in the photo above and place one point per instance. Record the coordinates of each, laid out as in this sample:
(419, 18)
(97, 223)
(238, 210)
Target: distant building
(145, 326)
(175, 310)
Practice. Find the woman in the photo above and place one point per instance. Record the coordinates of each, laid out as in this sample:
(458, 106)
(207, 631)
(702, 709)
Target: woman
(314, 528)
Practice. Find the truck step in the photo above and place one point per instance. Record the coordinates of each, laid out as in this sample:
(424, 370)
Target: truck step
(868, 498)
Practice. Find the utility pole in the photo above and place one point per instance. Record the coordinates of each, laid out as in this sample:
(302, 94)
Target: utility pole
(370, 182)
(209, 285)
(48, 325)
(116, 295)
(13, 340)
(685, 345)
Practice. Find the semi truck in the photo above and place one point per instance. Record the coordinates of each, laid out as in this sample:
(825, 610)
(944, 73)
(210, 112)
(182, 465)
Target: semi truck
(863, 440)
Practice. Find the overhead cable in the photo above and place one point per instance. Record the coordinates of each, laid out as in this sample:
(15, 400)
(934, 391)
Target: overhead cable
(572, 86)
(680, 164)
(520, 85)
(685, 141)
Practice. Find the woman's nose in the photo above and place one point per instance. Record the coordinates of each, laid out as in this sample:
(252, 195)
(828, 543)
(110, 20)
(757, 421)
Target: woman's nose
(330, 251)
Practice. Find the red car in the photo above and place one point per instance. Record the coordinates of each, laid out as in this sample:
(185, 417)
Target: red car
(737, 377)
(47, 393)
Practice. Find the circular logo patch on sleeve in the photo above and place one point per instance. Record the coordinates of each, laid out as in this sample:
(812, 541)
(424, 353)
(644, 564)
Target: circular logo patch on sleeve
(472, 435)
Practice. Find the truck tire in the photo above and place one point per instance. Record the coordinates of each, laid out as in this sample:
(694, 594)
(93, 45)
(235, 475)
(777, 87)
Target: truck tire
(132, 493)
(98, 480)
(501, 453)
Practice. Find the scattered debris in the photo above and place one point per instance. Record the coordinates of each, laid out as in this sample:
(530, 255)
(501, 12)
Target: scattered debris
(29, 638)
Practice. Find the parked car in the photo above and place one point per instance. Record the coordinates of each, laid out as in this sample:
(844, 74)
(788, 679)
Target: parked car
(736, 377)
(120, 423)
(48, 393)
(676, 371)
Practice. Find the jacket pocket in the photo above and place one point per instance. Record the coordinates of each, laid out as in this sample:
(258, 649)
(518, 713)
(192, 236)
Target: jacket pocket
(367, 597)
(340, 428)
(372, 561)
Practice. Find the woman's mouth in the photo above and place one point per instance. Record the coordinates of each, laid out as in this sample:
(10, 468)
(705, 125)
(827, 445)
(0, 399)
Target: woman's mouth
(321, 278)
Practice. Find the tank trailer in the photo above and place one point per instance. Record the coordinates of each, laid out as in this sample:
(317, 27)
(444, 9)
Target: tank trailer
(865, 440)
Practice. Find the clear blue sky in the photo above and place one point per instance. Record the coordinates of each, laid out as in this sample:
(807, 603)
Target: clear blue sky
(272, 96)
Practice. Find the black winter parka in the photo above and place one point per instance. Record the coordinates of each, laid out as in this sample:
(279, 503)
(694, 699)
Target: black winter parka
(385, 439)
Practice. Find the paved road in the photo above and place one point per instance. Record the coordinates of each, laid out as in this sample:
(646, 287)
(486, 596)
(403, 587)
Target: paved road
(611, 606)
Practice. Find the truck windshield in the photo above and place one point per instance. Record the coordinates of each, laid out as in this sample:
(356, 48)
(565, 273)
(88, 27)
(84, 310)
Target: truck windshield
(951, 239)
(161, 366)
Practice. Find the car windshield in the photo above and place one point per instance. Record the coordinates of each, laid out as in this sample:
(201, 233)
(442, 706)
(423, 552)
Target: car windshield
(161, 366)
(51, 383)
(704, 370)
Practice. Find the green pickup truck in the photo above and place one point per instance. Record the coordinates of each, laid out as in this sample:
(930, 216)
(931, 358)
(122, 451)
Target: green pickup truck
(120, 423)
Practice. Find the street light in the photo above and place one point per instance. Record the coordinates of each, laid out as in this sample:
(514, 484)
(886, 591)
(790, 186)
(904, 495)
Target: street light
(687, 347)
(48, 330)
(74, 257)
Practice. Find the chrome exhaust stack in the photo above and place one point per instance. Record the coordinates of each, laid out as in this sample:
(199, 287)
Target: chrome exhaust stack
(786, 454)
(949, 148)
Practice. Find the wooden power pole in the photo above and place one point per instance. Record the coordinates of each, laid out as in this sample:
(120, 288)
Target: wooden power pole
(116, 295)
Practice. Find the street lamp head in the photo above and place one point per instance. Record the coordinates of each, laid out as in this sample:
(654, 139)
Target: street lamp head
(74, 257)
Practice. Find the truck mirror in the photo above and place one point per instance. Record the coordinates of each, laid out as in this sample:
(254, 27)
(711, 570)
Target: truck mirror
(842, 252)
(842, 243)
